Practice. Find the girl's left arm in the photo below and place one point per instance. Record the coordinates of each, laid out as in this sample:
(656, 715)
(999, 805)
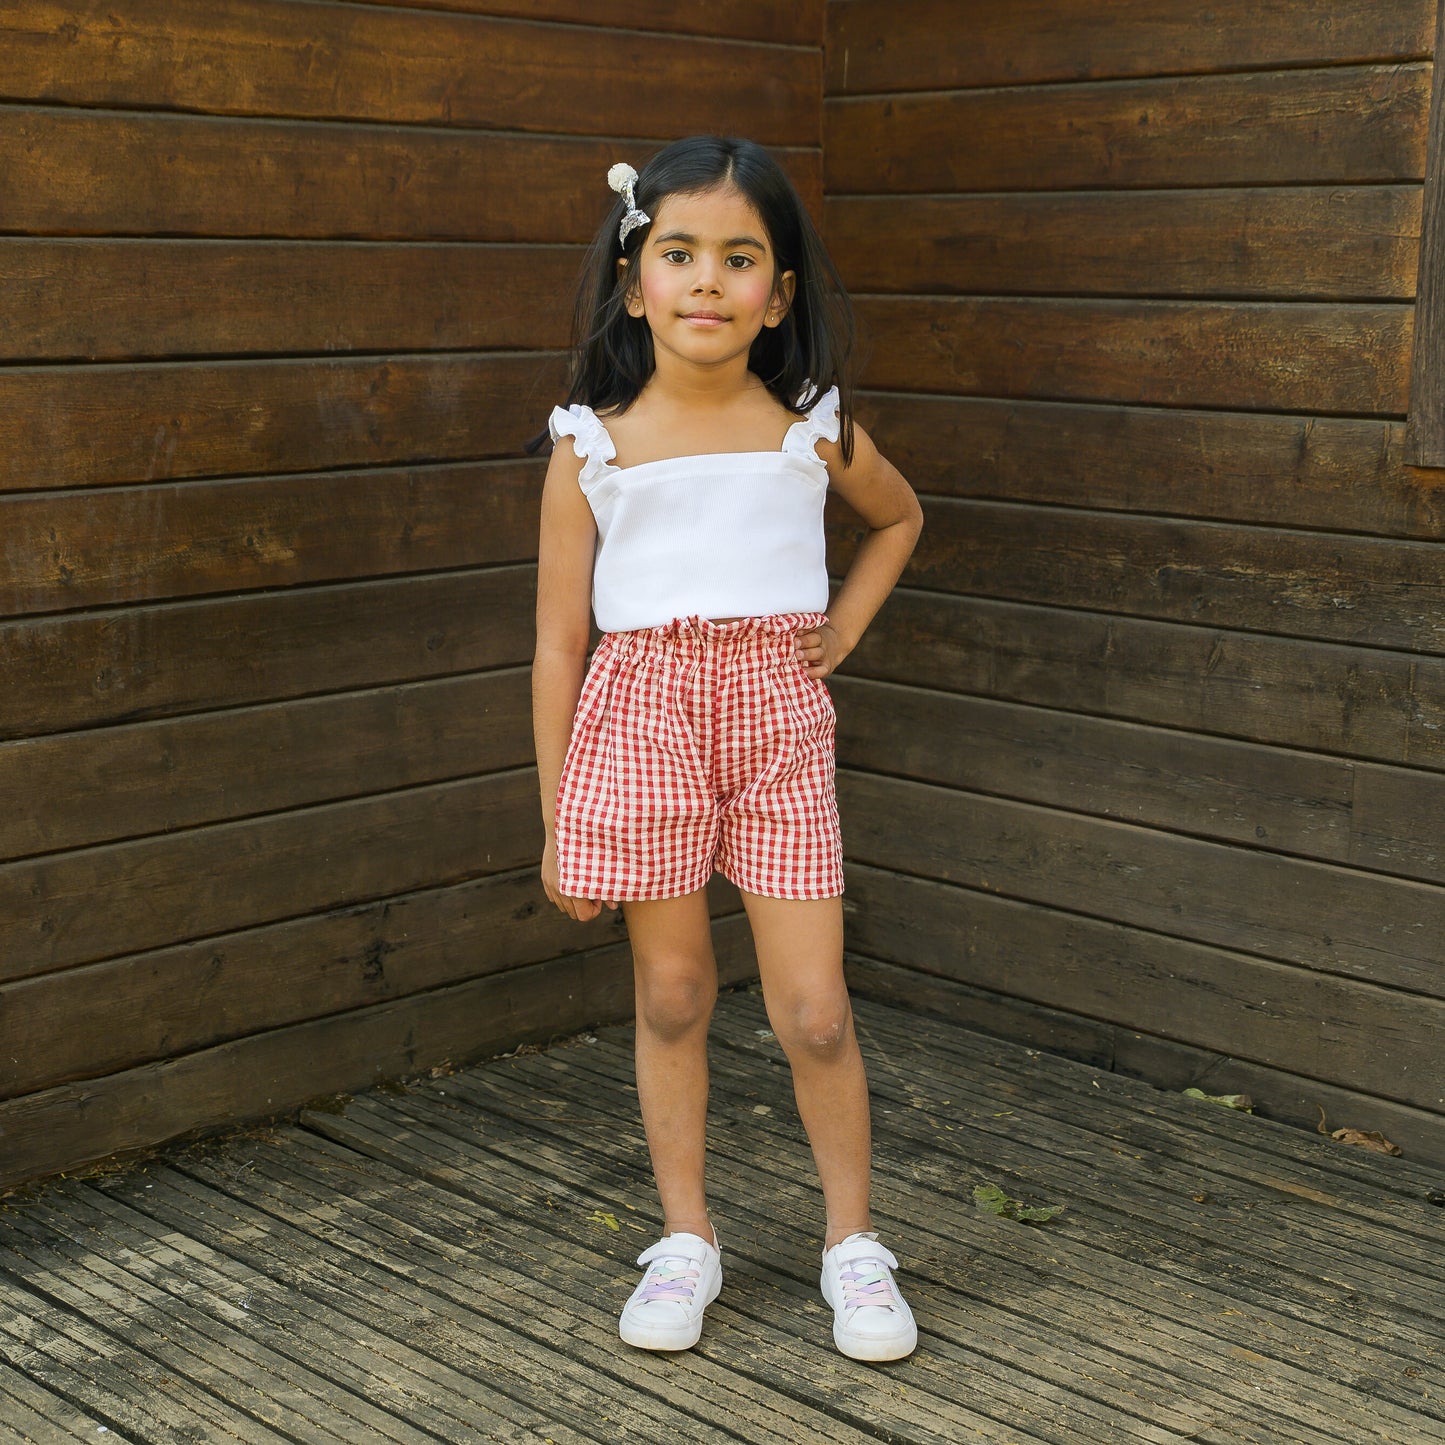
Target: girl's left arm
(876, 490)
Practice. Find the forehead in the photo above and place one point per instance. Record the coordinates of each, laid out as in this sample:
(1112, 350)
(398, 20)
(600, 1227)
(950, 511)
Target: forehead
(717, 215)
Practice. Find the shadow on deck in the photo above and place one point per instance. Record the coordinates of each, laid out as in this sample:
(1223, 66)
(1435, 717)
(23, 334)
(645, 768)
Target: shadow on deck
(445, 1262)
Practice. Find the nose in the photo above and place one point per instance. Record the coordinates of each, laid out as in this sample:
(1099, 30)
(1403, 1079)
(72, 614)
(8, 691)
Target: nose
(706, 277)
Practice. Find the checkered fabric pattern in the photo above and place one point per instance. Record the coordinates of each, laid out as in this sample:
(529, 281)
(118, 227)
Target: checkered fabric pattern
(699, 746)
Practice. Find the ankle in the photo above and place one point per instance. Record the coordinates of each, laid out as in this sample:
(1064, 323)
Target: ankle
(699, 1225)
(834, 1237)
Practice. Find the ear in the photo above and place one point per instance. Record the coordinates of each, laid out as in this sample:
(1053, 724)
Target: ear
(625, 279)
(782, 299)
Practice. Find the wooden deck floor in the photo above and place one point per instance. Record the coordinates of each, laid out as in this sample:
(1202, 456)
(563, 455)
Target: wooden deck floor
(445, 1263)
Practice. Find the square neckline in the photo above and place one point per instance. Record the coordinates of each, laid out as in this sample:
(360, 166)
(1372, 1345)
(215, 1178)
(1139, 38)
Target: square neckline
(781, 450)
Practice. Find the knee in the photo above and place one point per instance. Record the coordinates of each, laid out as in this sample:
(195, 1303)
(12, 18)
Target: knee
(819, 1029)
(671, 1007)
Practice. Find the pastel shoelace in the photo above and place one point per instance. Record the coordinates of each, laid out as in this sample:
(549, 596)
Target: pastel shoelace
(674, 1283)
(867, 1286)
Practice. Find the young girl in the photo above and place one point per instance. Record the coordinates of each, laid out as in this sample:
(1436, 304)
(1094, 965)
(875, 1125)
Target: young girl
(710, 410)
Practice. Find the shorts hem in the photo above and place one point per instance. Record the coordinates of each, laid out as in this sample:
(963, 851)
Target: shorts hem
(633, 894)
(663, 892)
(787, 892)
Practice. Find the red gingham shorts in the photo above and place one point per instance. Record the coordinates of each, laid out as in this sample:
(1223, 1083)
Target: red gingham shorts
(699, 746)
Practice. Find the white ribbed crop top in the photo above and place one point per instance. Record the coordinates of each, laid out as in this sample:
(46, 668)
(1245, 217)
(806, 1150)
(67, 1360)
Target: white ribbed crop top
(735, 534)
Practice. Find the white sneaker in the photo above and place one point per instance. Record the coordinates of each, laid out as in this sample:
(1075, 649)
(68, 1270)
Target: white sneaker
(871, 1321)
(684, 1276)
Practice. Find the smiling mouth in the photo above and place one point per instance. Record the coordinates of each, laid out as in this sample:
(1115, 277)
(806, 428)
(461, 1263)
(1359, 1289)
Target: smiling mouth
(702, 316)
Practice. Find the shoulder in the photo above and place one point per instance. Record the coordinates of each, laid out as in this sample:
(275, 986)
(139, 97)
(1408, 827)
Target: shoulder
(566, 463)
(592, 448)
(866, 455)
(815, 423)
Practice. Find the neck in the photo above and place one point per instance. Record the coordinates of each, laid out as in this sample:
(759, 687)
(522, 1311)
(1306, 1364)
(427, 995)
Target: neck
(700, 387)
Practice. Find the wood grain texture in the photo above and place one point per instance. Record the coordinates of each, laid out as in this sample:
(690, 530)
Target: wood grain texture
(280, 1070)
(91, 669)
(326, 61)
(1425, 440)
(1319, 917)
(82, 906)
(1330, 809)
(1244, 356)
(1207, 787)
(104, 300)
(1286, 242)
(1323, 697)
(433, 1136)
(35, 1414)
(1338, 1030)
(1350, 125)
(192, 996)
(115, 545)
(287, 283)
(352, 1319)
(1265, 1156)
(346, 1352)
(903, 45)
(51, 1352)
(353, 1241)
(1335, 473)
(1132, 1211)
(81, 173)
(99, 785)
(1136, 294)
(105, 425)
(1376, 592)
(1165, 1063)
(766, 20)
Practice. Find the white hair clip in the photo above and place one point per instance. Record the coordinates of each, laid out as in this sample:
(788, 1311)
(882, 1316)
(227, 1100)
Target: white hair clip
(622, 178)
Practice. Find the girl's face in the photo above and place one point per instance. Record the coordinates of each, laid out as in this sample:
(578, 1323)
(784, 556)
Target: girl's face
(708, 281)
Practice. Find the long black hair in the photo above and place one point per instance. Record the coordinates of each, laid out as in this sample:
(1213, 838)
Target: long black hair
(810, 350)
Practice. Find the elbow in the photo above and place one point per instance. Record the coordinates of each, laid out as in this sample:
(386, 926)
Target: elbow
(566, 653)
(561, 640)
(914, 522)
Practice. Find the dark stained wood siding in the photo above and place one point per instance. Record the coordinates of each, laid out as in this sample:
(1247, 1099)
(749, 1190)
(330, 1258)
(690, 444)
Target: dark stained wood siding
(1425, 435)
(1144, 761)
(286, 286)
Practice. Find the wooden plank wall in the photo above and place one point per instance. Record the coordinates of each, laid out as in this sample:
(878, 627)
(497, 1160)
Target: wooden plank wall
(285, 286)
(1146, 761)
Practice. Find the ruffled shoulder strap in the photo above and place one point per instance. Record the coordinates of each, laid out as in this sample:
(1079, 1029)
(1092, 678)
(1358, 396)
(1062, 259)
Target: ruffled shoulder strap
(590, 440)
(820, 424)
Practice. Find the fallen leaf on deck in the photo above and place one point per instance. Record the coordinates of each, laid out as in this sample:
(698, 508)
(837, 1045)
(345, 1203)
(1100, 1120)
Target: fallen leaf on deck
(1230, 1101)
(1366, 1139)
(610, 1220)
(992, 1199)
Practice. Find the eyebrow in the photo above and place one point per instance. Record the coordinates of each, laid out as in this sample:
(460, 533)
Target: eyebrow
(691, 240)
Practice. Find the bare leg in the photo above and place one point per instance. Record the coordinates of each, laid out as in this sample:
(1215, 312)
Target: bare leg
(676, 982)
(800, 957)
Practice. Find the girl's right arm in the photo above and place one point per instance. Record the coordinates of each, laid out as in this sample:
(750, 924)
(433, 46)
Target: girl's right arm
(566, 548)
